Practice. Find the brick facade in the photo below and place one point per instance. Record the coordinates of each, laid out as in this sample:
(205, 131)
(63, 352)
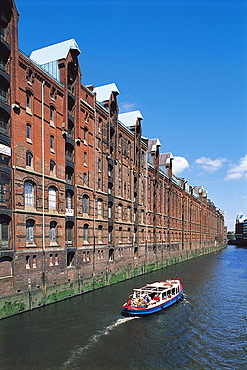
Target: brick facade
(82, 192)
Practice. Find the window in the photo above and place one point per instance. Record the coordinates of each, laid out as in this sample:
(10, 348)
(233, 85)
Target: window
(85, 159)
(5, 190)
(69, 175)
(99, 165)
(85, 204)
(28, 101)
(52, 167)
(111, 254)
(29, 193)
(99, 125)
(52, 197)
(120, 211)
(29, 231)
(110, 234)
(109, 209)
(34, 261)
(69, 232)
(128, 214)
(29, 159)
(85, 233)
(85, 179)
(27, 262)
(51, 260)
(28, 131)
(100, 227)
(56, 258)
(99, 183)
(53, 225)
(52, 114)
(4, 232)
(52, 145)
(70, 259)
(85, 135)
(69, 197)
(69, 151)
(99, 207)
(52, 93)
(29, 76)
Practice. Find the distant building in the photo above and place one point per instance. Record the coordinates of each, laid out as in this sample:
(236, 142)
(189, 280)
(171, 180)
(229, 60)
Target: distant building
(85, 200)
(241, 229)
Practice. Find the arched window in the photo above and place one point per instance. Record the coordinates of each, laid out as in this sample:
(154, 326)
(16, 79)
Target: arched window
(69, 175)
(85, 178)
(5, 189)
(128, 214)
(120, 211)
(100, 227)
(29, 193)
(110, 234)
(69, 152)
(28, 132)
(52, 143)
(52, 197)
(111, 254)
(69, 232)
(85, 233)
(30, 231)
(69, 199)
(99, 207)
(52, 114)
(109, 209)
(4, 232)
(29, 159)
(52, 167)
(28, 101)
(70, 259)
(53, 226)
(85, 204)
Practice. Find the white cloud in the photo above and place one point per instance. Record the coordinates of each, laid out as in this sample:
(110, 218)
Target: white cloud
(209, 164)
(127, 107)
(238, 171)
(179, 164)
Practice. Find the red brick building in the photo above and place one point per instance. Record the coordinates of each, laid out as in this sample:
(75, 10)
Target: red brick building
(84, 197)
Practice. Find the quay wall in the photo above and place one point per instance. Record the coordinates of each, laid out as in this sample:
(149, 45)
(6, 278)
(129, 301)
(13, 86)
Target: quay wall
(46, 292)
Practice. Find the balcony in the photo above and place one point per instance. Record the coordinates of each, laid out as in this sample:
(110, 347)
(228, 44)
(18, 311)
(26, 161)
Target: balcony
(3, 41)
(3, 97)
(3, 127)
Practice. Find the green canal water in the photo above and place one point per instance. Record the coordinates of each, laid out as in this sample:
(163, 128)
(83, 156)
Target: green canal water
(207, 330)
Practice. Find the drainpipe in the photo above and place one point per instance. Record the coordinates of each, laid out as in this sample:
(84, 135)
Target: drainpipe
(43, 176)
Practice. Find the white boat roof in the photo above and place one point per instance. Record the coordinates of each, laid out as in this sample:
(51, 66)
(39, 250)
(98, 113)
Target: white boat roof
(103, 93)
(54, 52)
(158, 286)
(130, 118)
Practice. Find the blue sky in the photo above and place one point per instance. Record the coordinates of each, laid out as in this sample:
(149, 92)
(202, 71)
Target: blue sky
(183, 64)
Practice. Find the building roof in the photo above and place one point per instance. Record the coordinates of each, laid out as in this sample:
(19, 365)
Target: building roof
(130, 118)
(103, 93)
(153, 144)
(165, 158)
(54, 52)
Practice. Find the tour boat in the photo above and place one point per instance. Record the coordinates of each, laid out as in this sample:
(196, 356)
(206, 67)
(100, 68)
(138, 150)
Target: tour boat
(153, 297)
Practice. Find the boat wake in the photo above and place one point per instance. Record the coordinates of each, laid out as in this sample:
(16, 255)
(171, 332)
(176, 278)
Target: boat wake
(94, 339)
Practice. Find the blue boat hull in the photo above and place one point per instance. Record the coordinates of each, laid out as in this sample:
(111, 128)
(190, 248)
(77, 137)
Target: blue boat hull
(134, 311)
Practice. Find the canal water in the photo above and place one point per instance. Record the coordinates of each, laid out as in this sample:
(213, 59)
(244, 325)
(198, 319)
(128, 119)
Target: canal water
(207, 330)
